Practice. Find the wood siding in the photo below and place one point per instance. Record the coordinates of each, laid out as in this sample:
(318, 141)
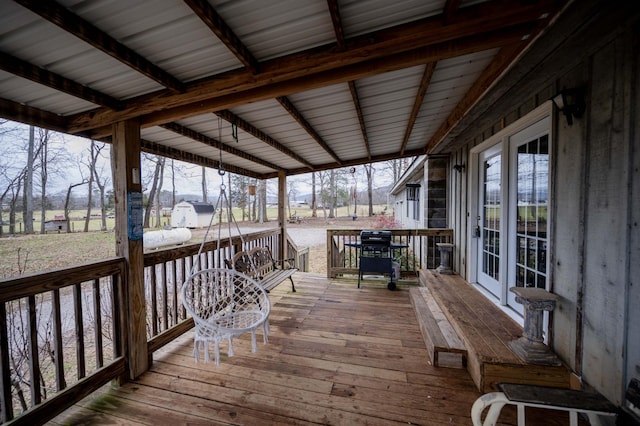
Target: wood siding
(594, 243)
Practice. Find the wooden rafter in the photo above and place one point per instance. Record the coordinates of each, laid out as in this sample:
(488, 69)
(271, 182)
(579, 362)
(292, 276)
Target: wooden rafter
(62, 17)
(214, 21)
(417, 103)
(477, 27)
(293, 111)
(257, 133)
(47, 78)
(450, 9)
(363, 128)
(214, 143)
(502, 60)
(334, 11)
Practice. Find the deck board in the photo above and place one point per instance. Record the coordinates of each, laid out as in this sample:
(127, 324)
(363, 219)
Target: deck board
(336, 355)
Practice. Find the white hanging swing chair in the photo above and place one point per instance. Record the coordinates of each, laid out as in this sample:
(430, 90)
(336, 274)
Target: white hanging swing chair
(224, 303)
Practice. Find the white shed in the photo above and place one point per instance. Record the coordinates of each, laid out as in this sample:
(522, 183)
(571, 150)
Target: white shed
(191, 214)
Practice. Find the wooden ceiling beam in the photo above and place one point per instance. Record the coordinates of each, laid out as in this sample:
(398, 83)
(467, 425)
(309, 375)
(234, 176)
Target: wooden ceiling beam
(73, 24)
(352, 72)
(83, 124)
(486, 20)
(214, 143)
(39, 75)
(293, 111)
(219, 27)
(168, 152)
(33, 116)
(417, 103)
(348, 163)
(257, 133)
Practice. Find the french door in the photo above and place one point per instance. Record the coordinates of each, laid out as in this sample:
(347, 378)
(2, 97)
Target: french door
(489, 218)
(511, 222)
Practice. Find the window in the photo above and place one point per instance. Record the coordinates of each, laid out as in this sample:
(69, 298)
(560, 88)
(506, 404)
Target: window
(413, 200)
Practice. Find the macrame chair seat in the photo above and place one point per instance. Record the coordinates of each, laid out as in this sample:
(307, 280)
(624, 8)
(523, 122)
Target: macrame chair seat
(224, 304)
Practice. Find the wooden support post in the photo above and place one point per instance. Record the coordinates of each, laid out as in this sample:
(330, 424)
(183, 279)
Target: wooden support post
(128, 195)
(282, 218)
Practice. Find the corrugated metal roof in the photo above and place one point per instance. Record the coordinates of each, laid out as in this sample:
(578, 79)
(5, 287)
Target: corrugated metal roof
(170, 35)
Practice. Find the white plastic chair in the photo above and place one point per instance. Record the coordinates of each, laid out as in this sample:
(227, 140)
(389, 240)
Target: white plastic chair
(224, 304)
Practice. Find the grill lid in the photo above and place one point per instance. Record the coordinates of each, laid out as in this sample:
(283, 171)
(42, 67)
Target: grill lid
(375, 237)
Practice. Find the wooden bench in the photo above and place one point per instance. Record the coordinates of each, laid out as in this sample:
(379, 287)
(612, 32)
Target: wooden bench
(259, 264)
(486, 331)
(437, 332)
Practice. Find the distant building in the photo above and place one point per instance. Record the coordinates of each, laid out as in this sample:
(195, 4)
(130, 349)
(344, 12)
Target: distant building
(191, 214)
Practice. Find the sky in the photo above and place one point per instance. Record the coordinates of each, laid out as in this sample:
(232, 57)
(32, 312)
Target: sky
(188, 179)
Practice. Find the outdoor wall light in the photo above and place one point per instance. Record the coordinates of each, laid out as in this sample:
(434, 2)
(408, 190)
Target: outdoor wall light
(571, 103)
(459, 168)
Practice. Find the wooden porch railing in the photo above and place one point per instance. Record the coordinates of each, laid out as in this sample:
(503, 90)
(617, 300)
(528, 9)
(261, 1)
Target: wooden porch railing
(60, 338)
(421, 251)
(62, 332)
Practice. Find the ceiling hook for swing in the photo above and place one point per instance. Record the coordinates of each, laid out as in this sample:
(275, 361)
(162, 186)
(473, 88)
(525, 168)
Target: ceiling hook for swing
(234, 131)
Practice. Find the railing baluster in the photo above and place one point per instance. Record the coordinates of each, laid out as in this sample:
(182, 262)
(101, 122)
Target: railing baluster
(165, 296)
(61, 382)
(97, 313)
(34, 359)
(154, 302)
(174, 306)
(77, 308)
(6, 402)
(116, 321)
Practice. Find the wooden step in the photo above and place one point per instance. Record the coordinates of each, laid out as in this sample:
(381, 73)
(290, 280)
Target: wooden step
(437, 332)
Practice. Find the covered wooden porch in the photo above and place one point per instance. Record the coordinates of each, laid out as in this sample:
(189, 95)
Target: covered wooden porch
(336, 355)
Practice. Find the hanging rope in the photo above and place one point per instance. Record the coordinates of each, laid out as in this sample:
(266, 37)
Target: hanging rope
(223, 205)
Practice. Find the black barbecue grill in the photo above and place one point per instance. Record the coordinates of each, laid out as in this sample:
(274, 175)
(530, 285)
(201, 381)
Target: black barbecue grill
(375, 255)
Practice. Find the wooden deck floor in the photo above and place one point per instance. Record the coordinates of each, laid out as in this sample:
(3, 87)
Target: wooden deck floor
(336, 355)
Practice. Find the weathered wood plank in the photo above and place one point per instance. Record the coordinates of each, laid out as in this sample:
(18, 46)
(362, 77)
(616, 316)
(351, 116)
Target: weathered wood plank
(437, 332)
(316, 369)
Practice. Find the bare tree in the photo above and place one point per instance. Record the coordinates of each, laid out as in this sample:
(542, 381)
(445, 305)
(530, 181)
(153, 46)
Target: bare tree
(332, 194)
(369, 171)
(158, 170)
(158, 193)
(94, 152)
(101, 181)
(27, 211)
(262, 201)
(314, 202)
(238, 192)
(67, 203)
(205, 199)
(44, 167)
(291, 193)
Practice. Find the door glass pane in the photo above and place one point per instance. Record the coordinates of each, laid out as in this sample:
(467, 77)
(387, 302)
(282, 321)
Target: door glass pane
(532, 201)
(491, 212)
